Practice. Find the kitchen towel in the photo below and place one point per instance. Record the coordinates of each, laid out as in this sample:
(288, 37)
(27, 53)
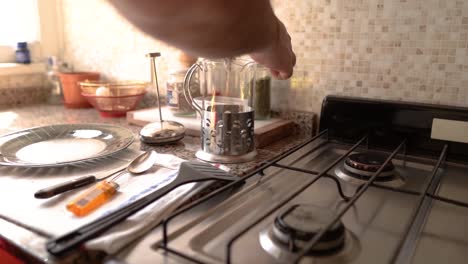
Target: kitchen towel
(143, 221)
(50, 218)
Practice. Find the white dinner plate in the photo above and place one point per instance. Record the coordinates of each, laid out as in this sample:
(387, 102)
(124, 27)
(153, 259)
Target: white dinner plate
(62, 144)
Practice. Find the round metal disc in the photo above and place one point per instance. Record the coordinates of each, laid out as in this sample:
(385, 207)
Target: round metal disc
(205, 156)
(368, 162)
(300, 223)
(304, 221)
(162, 132)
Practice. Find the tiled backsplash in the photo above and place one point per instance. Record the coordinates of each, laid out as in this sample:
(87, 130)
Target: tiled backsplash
(412, 50)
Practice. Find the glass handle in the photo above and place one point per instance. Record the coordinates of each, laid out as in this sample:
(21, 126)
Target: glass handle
(187, 93)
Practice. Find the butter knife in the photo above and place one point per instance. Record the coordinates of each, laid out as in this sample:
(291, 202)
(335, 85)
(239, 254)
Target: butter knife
(75, 183)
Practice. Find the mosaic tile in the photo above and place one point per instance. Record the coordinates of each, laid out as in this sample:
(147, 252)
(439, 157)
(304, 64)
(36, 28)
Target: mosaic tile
(401, 50)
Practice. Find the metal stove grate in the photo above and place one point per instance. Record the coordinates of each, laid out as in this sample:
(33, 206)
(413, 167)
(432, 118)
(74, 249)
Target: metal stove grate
(406, 244)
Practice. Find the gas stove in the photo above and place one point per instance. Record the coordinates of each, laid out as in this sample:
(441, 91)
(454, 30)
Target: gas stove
(382, 182)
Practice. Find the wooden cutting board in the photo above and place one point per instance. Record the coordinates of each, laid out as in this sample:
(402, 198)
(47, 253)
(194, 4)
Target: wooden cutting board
(266, 131)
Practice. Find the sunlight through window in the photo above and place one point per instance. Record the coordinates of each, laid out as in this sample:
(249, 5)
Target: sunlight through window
(19, 21)
(6, 119)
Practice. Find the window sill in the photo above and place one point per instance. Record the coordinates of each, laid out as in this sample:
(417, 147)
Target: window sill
(16, 68)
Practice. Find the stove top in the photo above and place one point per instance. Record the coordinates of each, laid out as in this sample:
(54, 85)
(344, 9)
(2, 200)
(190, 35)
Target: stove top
(374, 186)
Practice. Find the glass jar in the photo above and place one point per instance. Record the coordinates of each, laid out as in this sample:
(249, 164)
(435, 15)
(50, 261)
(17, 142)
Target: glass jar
(22, 53)
(262, 93)
(175, 98)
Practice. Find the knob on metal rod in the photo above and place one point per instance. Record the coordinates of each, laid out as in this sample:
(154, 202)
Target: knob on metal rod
(163, 131)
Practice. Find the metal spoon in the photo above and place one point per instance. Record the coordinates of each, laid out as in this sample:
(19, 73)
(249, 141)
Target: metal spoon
(143, 162)
(190, 171)
(138, 165)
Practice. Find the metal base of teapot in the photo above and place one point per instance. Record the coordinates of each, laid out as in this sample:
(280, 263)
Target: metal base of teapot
(205, 156)
(160, 133)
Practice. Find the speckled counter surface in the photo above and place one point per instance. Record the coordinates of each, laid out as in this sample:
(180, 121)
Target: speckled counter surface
(14, 119)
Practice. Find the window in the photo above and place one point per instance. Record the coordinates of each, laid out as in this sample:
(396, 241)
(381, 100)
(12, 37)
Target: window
(18, 22)
(33, 21)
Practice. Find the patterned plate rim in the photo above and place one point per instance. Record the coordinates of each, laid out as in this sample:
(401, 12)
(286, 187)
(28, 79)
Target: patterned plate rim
(130, 139)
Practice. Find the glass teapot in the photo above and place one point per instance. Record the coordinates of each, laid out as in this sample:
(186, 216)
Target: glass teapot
(225, 107)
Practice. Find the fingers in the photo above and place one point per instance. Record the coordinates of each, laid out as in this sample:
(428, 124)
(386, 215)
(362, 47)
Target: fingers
(290, 57)
(282, 75)
(293, 58)
(275, 74)
(279, 57)
(287, 72)
(285, 75)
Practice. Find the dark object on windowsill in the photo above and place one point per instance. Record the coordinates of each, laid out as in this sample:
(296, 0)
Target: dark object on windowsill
(22, 53)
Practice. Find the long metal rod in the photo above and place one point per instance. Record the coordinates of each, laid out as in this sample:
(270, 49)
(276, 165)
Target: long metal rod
(328, 176)
(155, 78)
(448, 200)
(408, 241)
(289, 198)
(180, 254)
(395, 189)
(165, 222)
(358, 194)
(346, 198)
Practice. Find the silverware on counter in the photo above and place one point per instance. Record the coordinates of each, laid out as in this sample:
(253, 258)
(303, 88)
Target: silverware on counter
(190, 171)
(69, 185)
(102, 192)
(139, 165)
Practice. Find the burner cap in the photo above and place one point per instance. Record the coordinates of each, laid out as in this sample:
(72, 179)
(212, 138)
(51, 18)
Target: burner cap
(365, 164)
(368, 161)
(300, 223)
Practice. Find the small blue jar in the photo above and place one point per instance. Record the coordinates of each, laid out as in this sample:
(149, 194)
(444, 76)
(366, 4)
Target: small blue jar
(22, 53)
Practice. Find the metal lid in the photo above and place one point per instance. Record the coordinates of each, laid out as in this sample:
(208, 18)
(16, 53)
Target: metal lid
(164, 132)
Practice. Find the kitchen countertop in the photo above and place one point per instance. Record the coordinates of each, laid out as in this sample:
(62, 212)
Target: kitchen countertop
(18, 118)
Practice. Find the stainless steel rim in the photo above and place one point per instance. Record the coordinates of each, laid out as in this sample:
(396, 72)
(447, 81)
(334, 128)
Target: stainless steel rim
(225, 158)
(398, 181)
(147, 133)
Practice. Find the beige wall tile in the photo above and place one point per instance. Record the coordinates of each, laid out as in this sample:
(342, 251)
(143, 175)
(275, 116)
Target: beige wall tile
(403, 50)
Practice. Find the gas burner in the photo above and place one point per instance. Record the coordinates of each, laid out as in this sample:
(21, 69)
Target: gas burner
(367, 163)
(301, 223)
(359, 167)
(296, 226)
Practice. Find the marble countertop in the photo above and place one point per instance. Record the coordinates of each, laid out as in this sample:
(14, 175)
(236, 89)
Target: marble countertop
(18, 118)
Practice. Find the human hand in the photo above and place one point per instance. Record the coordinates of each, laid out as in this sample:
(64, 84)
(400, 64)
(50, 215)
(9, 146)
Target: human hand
(279, 56)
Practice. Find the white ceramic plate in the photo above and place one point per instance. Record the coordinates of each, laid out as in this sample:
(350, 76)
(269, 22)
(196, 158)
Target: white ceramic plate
(62, 144)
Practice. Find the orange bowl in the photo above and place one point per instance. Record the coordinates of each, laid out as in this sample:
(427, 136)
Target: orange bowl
(113, 99)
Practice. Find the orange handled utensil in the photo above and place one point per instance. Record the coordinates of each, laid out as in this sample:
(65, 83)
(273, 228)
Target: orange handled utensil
(103, 191)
